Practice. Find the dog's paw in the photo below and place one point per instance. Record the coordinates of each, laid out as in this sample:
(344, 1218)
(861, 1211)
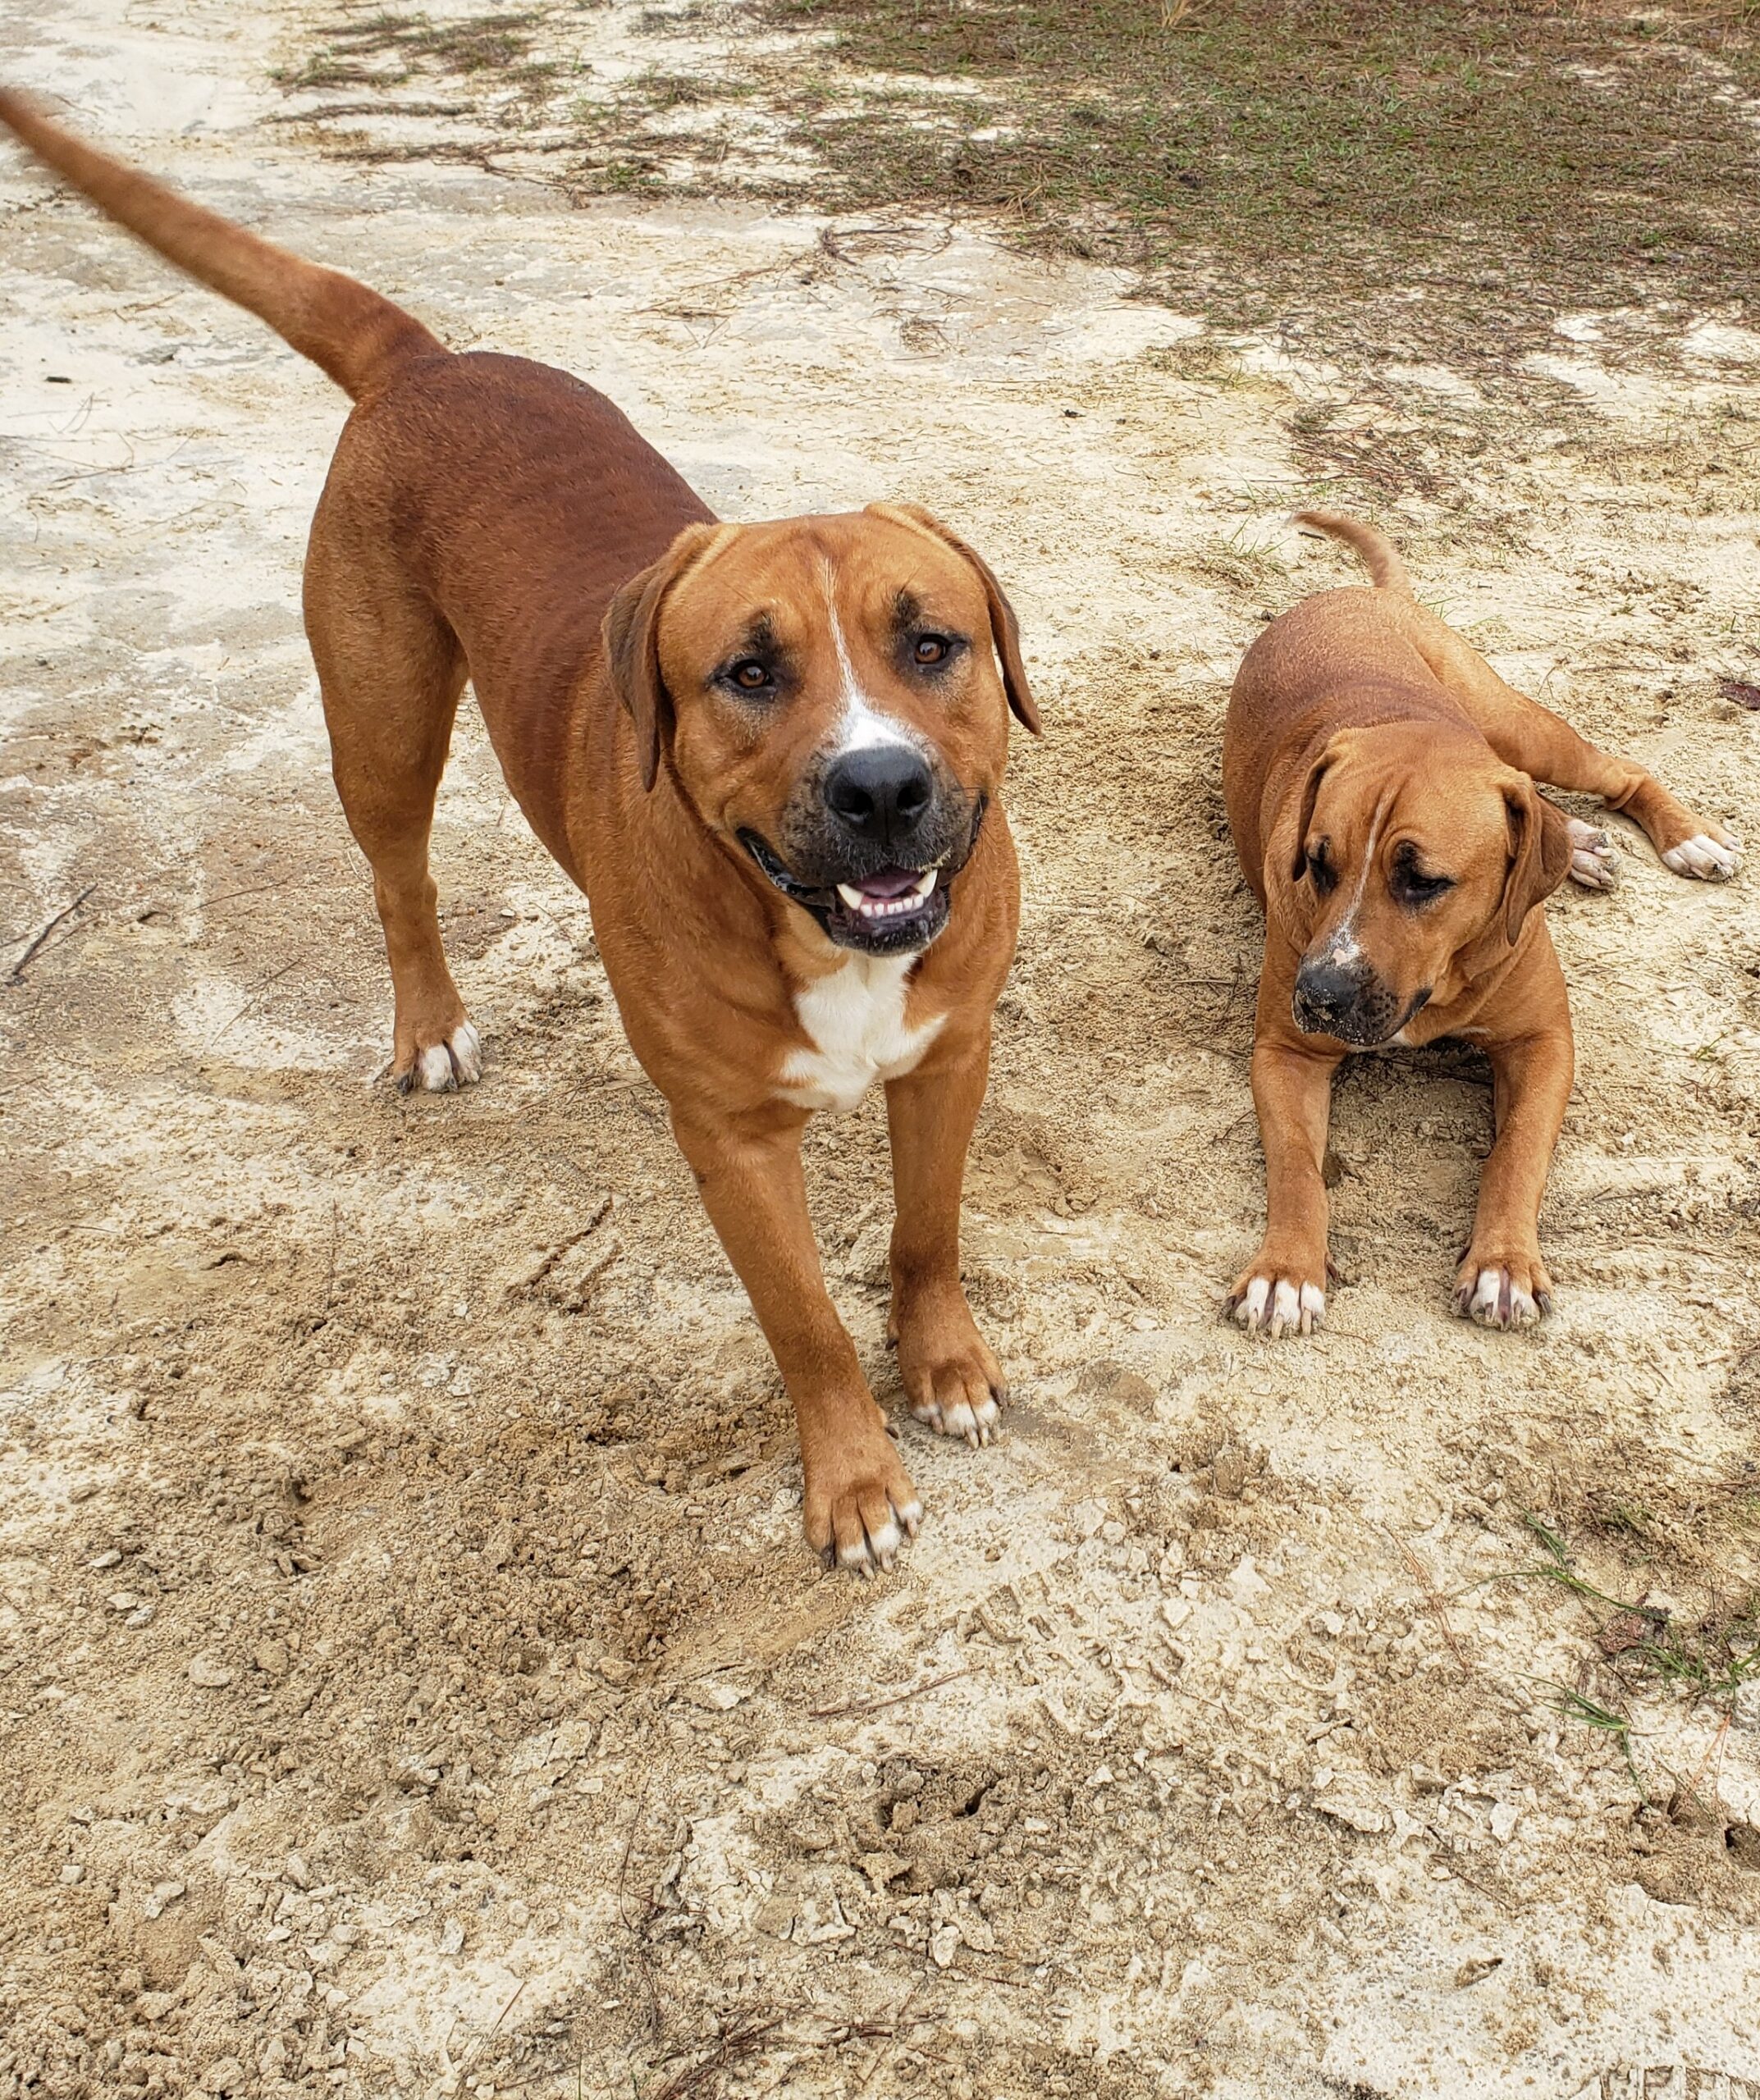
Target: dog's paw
(1711, 855)
(1267, 1303)
(444, 1067)
(860, 1507)
(953, 1383)
(1594, 861)
(1503, 1293)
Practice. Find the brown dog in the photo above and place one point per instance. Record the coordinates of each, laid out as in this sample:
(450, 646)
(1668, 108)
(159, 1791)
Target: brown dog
(1380, 782)
(769, 754)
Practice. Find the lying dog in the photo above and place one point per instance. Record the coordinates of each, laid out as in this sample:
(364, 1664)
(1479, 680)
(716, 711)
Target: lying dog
(1380, 783)
(769, 754)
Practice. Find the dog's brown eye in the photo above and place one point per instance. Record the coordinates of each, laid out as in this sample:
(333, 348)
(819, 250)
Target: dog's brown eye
(750, 676)
(1320, 868)
(931, 649)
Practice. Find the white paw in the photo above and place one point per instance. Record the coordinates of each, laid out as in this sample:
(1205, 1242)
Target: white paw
(977, 1424)
(444, 1067)
(466, 1046)
(1279, 1308)
(878, 1544)
(1495, 1300)
(1593, 862)
(1712, 860)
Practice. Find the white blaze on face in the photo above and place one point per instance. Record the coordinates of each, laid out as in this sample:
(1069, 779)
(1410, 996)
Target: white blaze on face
(862, 725)
(1342, 946)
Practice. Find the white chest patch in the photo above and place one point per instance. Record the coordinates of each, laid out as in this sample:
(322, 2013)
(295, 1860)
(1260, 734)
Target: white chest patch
(855, 1019)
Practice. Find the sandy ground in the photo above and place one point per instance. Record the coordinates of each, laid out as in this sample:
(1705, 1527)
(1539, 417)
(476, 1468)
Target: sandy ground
(414, 1678)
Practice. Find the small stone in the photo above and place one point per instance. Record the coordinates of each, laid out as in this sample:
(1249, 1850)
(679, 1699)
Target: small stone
(159, 1900)
(73, 1875)
(1175, 1611)
(1351, 1807)
(1101, 1776)
(272, 1658)
(452, 1936)
(1087, 1518)
(882, 1867)
(228, 2075)
(137, 1619)
(1113, 1532)
(519, 1915)
(1476, 1970)
(297, 1871)
(715, 1694)
(775, 1917)
(109, 1559)
(614, 1670)
(122, 1600)
(944, 1944)
(209, 1672)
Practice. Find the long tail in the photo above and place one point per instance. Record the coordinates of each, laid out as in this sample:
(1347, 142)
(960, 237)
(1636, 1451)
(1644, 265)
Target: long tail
(1387, 572)
(351, 333)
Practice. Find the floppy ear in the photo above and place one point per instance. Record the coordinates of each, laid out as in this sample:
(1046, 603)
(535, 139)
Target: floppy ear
(1296, 848)
(1539, 852)
(1005, 630)
(631, 629)
(1310, 794)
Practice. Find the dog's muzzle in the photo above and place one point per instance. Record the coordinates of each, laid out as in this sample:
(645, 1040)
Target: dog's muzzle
(867, 900)
(1349, 1003)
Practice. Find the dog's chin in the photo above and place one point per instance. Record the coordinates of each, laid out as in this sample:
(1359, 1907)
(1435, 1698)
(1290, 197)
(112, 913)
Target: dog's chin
(904, 933)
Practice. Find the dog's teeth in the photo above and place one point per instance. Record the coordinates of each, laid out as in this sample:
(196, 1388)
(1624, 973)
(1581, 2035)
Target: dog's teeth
(851, 895)
(926, 881)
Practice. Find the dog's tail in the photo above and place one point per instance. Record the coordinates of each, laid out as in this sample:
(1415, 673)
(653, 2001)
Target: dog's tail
(351, 334)
(1387, 572)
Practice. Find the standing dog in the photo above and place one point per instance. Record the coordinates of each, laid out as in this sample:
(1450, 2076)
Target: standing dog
(1380, 783)
(769, 755)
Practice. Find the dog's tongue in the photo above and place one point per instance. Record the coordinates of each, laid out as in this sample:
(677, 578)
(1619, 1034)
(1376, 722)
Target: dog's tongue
(890, 881)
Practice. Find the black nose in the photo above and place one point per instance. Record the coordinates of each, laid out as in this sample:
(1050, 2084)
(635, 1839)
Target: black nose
(881, 794)
(1326, 990)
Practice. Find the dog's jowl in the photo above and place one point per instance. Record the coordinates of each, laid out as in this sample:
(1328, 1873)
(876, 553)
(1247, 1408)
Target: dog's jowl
(770, 754)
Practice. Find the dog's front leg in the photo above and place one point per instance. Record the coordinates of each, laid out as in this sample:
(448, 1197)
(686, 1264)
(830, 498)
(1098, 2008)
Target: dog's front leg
(952, 1381)
(1501, 1281)
(859, 1503)
(1283, 1290)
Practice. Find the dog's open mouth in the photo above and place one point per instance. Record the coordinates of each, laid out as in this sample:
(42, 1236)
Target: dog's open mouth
(889, 893)
(883, 912)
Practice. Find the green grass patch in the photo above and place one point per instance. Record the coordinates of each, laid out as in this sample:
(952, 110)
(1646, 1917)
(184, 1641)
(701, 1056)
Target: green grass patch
(1471, 149)
(1437, 179)
(1710, 1657)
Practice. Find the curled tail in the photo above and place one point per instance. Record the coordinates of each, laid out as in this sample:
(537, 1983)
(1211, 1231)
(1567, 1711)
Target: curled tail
(1387, 572)
(353, 335)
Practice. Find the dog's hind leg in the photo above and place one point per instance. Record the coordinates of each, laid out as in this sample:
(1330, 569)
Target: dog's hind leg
(1526, 735)
(391, 672)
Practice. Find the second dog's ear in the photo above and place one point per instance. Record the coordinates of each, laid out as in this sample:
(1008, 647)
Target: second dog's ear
(1539, 852)
(1310, 794)
(1005, 629)
(631, 630)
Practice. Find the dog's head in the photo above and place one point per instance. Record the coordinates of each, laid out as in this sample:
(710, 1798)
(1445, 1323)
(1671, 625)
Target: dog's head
(1404, 866)
(832, 696)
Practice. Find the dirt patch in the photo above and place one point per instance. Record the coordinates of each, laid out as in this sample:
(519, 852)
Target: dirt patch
(413, 1680)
